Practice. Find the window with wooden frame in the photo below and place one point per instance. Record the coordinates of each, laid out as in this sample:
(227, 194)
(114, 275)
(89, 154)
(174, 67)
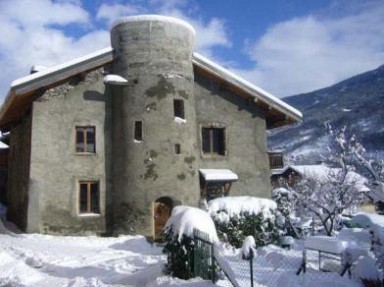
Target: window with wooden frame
(178, 109)
(213, 140)
(85, 139)
(138, 131)
(89, 197)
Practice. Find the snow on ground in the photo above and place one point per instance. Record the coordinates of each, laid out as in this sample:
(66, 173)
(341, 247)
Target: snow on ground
(277, 267)
(44, 260)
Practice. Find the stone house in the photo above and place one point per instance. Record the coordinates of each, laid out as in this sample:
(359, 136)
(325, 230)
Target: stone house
(110, 142)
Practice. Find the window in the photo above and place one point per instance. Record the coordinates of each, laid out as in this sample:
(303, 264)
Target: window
(89, 197)
(138, 133)
(177, 149)
(213, 140)
(178, 109)
(85, 139)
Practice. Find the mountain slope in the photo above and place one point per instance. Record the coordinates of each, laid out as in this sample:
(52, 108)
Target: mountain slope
(357, 102)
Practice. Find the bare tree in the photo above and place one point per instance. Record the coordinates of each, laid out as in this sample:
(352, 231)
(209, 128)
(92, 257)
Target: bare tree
(325, 199)
(327, 195)
(348, 147)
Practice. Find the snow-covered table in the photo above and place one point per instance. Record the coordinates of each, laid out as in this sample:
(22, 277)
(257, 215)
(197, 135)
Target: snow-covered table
(328, 247)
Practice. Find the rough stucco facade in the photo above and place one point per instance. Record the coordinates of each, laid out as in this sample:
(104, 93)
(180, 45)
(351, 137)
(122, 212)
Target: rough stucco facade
(136, 172)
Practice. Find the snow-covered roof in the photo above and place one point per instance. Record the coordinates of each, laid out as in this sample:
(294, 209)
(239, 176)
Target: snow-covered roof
(218, 175)
(58, 72)
(21, 93)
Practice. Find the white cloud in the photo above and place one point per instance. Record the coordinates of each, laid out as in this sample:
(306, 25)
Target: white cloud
(312, 52)
(209, 34)
(33, 33)
(110, 13)
(42, 12)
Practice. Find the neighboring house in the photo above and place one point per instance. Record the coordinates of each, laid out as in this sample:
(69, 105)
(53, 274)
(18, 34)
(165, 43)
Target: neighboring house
(111, 142)
(290, 175)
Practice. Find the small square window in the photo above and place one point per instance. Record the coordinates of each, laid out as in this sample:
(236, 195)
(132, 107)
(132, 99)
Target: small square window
(86, 139)
(89, 197)
(178, 109)
(213, 141)
(138, 133)
(177, 149)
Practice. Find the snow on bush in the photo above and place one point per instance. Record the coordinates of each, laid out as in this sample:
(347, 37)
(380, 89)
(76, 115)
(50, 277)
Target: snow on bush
(237, 217)
(365, 268)
(367, 220)
(185, 218)
(249, 245)
(224, 208)
(179, 245)
(285, 215)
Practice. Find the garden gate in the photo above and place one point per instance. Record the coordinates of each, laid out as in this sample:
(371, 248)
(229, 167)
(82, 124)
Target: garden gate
(204, 262)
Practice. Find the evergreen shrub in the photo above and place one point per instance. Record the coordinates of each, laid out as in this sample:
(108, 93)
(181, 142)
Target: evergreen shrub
(180, 255)
(238, 227)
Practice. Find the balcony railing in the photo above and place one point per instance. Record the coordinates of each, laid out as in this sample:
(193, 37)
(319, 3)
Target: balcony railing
(275, 160)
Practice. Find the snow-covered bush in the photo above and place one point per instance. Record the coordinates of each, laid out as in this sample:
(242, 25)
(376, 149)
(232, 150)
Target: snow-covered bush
(179, 241)
(365, 269)
(236, 218)
(285, 199)
(180, 259)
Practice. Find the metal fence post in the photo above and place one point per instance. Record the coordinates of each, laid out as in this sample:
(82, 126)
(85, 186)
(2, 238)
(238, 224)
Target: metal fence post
(251, 265)
(195, 253)
(213, 263)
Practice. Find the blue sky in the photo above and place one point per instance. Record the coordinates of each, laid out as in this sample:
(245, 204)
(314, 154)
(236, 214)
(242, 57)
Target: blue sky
(284, 46)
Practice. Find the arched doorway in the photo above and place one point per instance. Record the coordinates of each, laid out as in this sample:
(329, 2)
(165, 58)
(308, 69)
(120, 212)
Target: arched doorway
(162, 209)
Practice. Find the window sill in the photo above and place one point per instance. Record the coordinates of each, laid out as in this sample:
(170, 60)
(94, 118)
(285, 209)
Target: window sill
(207, 155)
(89, 215)
(179, 120)
(85, 153)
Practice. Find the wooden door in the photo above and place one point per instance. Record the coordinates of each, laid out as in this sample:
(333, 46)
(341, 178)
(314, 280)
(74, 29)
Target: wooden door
(161, 213)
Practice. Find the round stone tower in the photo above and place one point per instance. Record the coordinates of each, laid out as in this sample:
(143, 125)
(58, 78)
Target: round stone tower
(154, 132)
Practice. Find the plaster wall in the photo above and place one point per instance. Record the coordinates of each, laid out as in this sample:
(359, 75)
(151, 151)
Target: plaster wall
(245, 131)
(56, 168)
(155, 56)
